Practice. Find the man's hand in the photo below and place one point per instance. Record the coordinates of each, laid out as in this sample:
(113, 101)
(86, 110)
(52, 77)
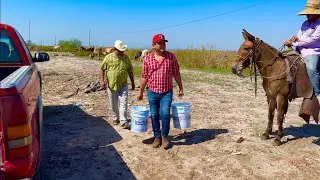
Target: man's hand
(140, 96)
(288, 43)
(133, 86)
(180, 93)
(294, 39)
(102, 80)
(102, 86)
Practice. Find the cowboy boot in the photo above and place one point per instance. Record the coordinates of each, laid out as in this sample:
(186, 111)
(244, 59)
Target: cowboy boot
(165, 142)
(115, 122)
(156, 143)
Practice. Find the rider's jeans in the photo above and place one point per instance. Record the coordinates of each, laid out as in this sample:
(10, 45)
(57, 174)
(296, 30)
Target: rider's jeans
(313, 73)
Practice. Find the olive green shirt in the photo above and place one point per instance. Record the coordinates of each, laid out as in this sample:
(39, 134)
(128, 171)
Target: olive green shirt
(117, 69)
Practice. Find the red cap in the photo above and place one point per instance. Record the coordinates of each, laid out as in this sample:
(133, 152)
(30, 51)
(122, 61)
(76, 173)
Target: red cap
(158, 37)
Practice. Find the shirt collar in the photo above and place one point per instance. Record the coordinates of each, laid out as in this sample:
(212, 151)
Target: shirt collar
(165, 55)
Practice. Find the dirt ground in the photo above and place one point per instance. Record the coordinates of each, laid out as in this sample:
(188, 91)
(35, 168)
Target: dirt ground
(80, 141)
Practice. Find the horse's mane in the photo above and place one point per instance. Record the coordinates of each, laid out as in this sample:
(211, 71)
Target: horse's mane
(269, 46)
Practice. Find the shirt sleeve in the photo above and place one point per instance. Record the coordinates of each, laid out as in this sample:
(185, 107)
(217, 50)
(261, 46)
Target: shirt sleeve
(299, 34)
(176, 68)
(103, 64)
(306, 40)
(145, 68)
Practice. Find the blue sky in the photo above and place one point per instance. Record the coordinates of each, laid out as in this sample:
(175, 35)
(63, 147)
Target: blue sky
(109, 20)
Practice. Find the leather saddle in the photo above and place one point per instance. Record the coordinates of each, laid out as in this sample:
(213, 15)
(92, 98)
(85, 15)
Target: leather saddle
(301, 86)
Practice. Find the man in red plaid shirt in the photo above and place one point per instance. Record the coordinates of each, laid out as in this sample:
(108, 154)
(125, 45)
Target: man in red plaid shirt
(159, 69)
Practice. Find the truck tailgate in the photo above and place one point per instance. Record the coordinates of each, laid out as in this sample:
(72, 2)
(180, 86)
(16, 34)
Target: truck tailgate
(15, 81)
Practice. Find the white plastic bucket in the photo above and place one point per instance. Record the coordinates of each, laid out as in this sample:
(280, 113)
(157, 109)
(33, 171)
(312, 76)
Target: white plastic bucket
(181, 115)
(139, 119)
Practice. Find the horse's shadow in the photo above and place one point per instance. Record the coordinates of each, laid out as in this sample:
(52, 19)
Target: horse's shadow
(307, 130)
(192, 137)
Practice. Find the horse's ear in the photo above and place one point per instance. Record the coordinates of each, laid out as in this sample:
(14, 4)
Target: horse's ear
(247, 36)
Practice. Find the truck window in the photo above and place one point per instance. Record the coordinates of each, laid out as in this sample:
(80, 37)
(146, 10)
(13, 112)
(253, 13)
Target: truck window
(25, 47)
(8, 50)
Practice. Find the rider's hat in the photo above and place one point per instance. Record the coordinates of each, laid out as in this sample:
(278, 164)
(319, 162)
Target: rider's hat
(312, 7)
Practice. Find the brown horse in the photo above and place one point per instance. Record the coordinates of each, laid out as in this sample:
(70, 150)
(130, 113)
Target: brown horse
(101, 51)
(86, 48)
(272, 66)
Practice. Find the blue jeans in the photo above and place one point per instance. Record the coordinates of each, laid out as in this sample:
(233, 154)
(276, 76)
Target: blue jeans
(160, 104)
(313, 73)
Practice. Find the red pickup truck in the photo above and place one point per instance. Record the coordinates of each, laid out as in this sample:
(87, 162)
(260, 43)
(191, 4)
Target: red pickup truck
(20, 107)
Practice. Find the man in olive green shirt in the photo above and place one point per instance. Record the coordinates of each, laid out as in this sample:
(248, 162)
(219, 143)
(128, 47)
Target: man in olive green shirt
(115, 69)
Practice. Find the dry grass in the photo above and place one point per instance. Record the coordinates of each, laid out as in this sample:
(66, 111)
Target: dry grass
(208, 60)
(203, 59)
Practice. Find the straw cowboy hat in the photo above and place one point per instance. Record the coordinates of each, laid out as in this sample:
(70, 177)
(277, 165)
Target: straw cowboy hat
(312, 7)
(119, 45)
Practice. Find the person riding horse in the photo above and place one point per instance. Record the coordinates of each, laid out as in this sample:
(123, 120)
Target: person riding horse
(307, 42)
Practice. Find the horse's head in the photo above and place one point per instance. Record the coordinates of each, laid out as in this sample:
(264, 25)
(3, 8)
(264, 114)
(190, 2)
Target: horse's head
(244, 54)
(138, 55)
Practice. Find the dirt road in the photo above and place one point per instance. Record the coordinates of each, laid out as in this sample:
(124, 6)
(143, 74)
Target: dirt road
(80, 142)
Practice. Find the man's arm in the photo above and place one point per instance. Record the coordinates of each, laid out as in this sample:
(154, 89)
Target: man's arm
(144, 80)
(294, 38)
(304, 40)
(179, 81)
(177, 76)
(143, 83)
(102, 79)
(130, 73)
(144, 75)
(131, 76)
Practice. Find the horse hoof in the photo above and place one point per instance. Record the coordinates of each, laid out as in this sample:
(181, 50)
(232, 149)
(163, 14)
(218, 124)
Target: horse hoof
(265, 136)
(277, 142)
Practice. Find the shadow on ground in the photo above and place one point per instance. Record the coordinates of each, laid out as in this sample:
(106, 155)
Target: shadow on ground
(306, 131)
(192, 137)
(79, 146)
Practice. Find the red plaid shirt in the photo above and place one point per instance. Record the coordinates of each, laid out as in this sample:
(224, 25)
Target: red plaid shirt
(159, 75)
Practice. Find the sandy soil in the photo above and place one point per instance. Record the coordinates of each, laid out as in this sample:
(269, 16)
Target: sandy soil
(80, 141)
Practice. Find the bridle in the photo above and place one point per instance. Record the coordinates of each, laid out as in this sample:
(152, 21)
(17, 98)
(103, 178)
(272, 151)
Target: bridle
(251, 52)
(253, 68)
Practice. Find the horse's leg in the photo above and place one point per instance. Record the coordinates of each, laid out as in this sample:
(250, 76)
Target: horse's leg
(272, 106)
(282, 107)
